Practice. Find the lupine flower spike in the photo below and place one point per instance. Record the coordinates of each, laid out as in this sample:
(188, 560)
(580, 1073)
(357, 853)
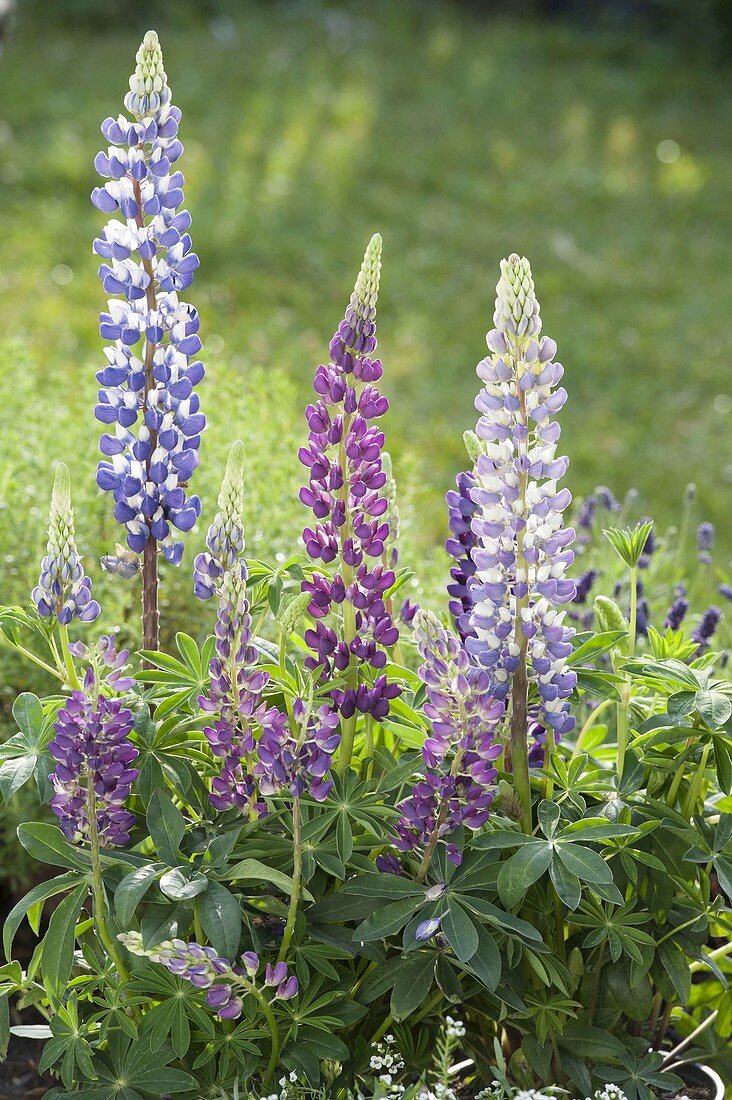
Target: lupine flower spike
(93, 773)
(459, 755)
(225, 538)
(147, 394)
(522, 553)
(226, 983)
(63, 589)
(346, 492)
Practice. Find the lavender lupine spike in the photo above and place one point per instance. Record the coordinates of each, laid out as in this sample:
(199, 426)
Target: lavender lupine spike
(298, 761)
(345, 493)
(93, 755)
(706, 628)
(148, 397)
(705, 542)
(225, 538)
(459, 755)
(63, 589)
(226, 983)
(676, 613)
(523, 548)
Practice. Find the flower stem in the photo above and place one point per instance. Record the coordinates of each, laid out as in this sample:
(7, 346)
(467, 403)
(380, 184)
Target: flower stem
(520, 687)
(73, 679)
(100, 903)
(296, 880)
(624, 704)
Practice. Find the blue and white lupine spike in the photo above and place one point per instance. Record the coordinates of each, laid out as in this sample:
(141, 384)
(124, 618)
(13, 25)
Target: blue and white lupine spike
(522, 552)
(225, 538)
(147, 387)
(63, 589)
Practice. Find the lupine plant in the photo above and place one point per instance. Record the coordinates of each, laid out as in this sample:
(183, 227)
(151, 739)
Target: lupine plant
(286, 854)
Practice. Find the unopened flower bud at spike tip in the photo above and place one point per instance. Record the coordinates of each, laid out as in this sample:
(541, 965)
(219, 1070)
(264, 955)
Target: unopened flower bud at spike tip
(517, 310)
(149, 83)
(366, 289)
(63, 589)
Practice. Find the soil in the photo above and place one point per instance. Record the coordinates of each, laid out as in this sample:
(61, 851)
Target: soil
(19, 1073)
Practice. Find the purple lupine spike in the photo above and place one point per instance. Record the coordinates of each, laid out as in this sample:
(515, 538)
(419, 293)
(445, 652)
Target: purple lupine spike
(706, 628)
(226, 983)
(347, 493)
(461, 509)
(146, 395)
(459, 754)
(586, 516)
(298, 762)
(225, 538)
(607, 499)
(63, 589)
(676, 613)
(523, 550)
(705, 542)
(584, 586)
(235, 697)
(92, 746)
(726, 591)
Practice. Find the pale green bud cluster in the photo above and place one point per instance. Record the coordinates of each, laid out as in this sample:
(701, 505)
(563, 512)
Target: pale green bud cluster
(61, 539)
(231, 499)
(366, 290)
(473, 445)
(149, 83)
(517, 310)
(291, 615)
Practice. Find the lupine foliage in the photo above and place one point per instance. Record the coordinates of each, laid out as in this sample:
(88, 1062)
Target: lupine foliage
(317, 830)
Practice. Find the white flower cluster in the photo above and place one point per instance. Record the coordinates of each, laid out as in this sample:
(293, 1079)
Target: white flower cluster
(454, 1029)
(386, 1060)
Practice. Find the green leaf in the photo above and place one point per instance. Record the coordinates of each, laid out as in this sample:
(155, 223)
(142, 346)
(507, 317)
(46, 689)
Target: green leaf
(522, 870)
(14, 773)
(714, 707)
(167, 827)
(131, 891)
(460, 932)
(28, 714)
(676, 965)
(565, 883)
(387, 920)
(180, 884)
(58, 943)
(412, 985)
(486, 962)
(35, 896)
(252, 870)
(220, 915)
(585, 864)
(48, 844)
(383, 886)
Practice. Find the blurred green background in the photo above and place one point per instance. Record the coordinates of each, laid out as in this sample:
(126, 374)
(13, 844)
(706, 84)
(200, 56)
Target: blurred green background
(593, 139)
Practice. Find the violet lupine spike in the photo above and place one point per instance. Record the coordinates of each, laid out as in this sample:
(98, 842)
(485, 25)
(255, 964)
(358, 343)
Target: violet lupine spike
(225, 538)
(92, 745)
(523, 548)
(461, 509)
(676, 613)
(459, 755)
(235, 697)
(705, 542)
(584, 585)
(147, 397)
(63, 589)
(226, 983)
(706, 628)
(298, 763)
(345, 492)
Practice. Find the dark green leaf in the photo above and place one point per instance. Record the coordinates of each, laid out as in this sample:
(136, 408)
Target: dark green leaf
(412, 985)
(131, 891)
(34, 897)
(460, 932)
(58, 943)
(522, 870)
(167, 827)
(220, 915)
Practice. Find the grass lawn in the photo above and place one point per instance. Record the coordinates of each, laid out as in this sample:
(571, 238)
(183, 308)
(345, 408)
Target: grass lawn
(604, 159)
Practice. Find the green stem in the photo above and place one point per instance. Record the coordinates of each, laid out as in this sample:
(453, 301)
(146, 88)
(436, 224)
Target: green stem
(73, 679)
(296, 880)
(37, 661)
(588, 726)
(520, 686)
(100, 901)
(274, 1056)
(624, 704)
(695, 786)
(718, 953)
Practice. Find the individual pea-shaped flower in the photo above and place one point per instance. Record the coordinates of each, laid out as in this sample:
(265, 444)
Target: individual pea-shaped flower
(146, 397)
(225, 538)
(63, 590)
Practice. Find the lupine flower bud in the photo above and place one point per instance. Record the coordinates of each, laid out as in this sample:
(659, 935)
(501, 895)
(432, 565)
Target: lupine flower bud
(225, 538)
(461, 509)
(522, 552)
(346, 479)
(63, 589)
(92, 747)
(147, 393)
(148, 84)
